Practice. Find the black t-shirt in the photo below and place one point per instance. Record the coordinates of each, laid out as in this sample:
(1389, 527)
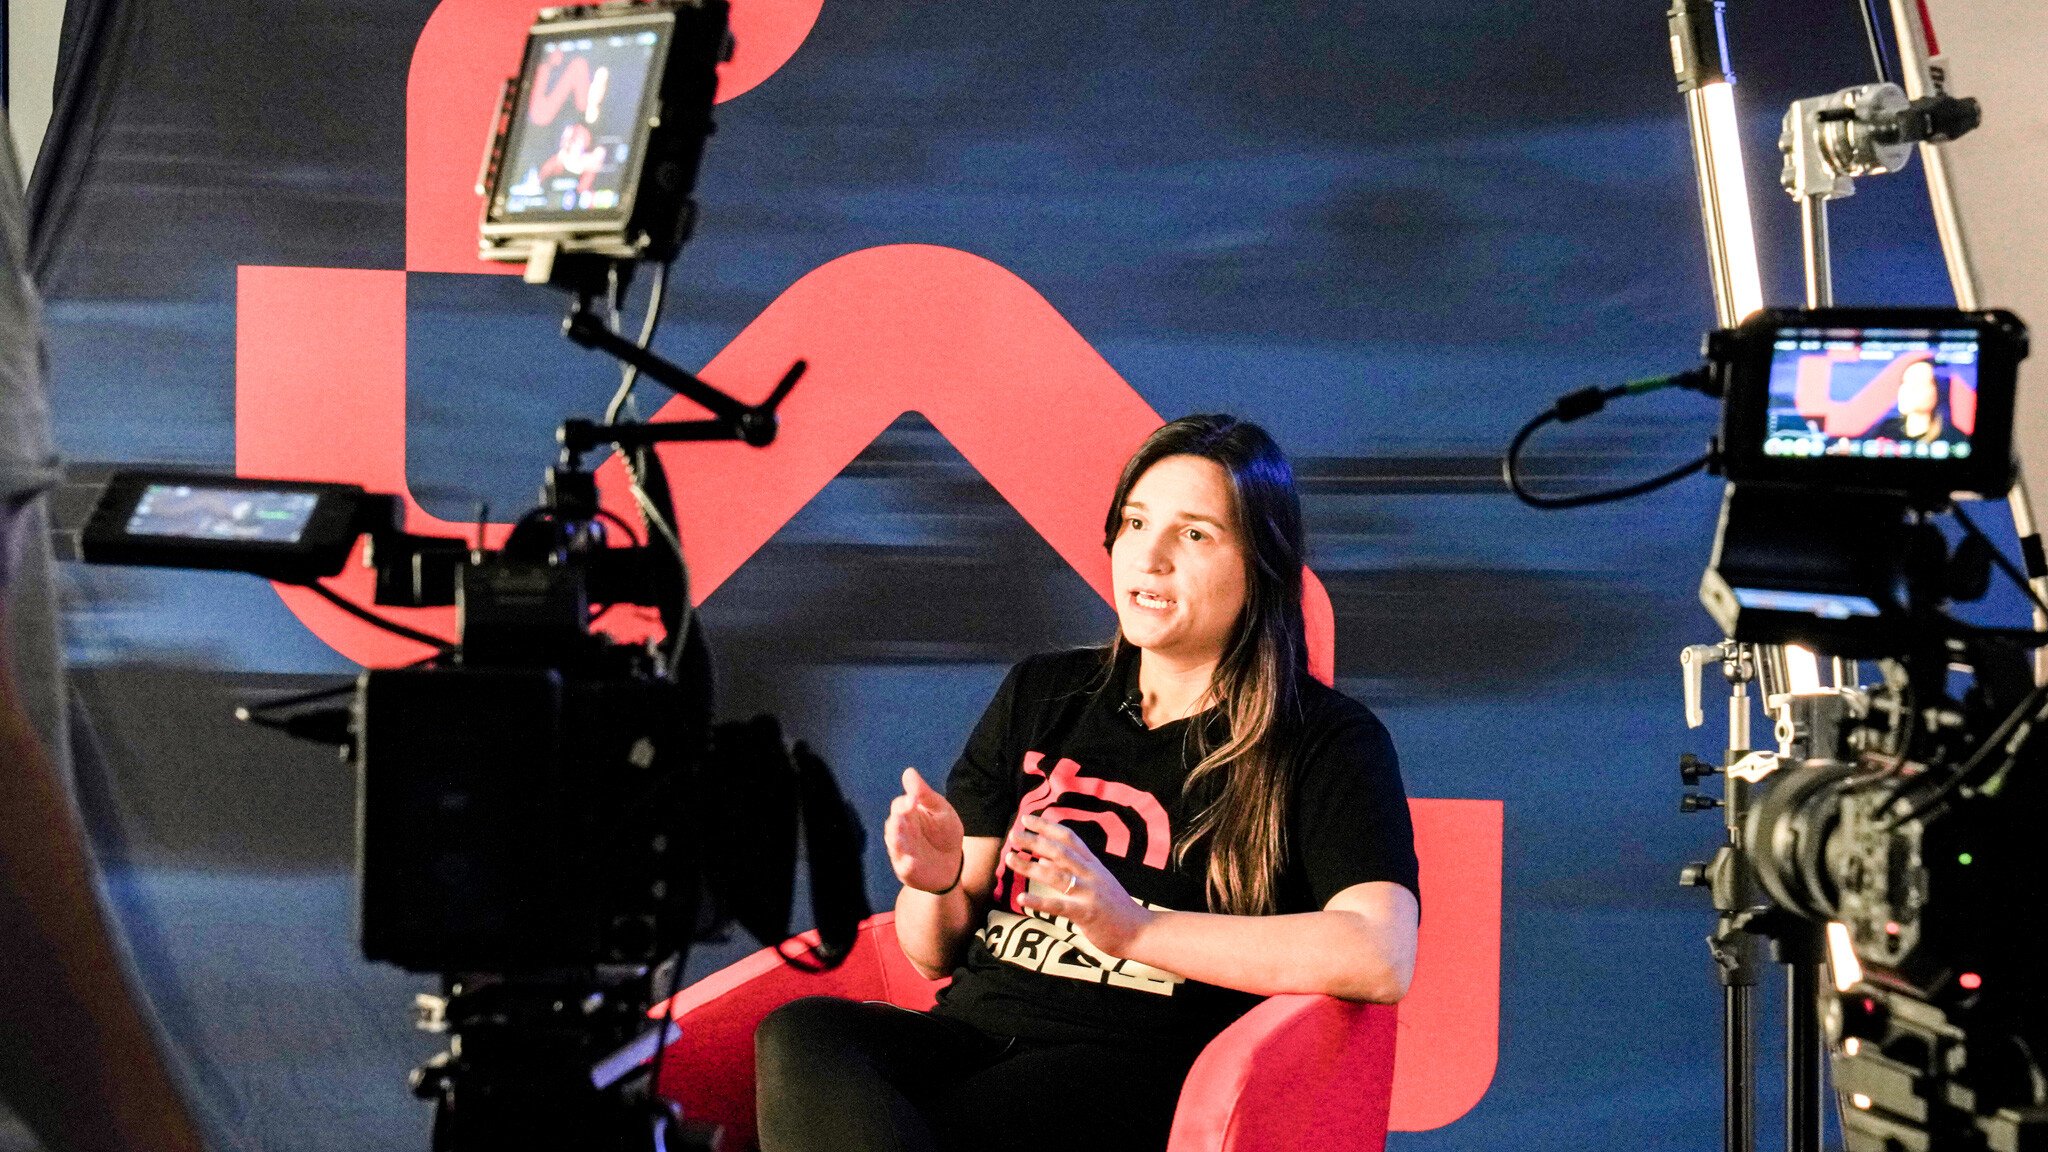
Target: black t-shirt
(1939, 431)
(1060, 741)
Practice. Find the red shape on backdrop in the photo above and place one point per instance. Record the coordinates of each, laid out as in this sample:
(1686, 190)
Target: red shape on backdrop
(905, 328)
(468, 49)
(320, 394)
(1452, 1010)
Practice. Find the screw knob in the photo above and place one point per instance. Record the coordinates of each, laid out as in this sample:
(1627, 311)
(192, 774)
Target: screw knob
(1691, 768)
(1697, 802)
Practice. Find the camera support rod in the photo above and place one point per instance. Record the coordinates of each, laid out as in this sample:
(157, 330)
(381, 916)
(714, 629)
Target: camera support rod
(751, 424)
(1924, 75)
(731, 419)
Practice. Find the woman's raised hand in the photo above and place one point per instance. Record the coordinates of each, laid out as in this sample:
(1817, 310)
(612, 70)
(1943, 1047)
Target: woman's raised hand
(1072, 883)
(922, 836)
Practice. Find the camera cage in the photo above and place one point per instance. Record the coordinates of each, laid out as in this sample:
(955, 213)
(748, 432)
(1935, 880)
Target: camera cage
(644, 209)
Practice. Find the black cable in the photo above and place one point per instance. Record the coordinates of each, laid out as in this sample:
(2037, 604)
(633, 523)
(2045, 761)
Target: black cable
(644, 474)
(1583, 403)
(1998, 557)
(650, 483)
(631, 533)
(1874, 20)
(369, 617)
(249, 713)
(2017, 725)
(308, 697)
(631, 375)
(2024, 637)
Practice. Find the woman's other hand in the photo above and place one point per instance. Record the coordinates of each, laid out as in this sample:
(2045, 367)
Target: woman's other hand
(1072, 883)
(922, 836)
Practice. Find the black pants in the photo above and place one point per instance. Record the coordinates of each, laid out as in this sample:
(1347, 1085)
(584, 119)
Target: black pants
(846, 1076)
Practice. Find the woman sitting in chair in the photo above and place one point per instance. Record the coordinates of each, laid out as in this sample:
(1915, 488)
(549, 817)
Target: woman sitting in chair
(1105, 798)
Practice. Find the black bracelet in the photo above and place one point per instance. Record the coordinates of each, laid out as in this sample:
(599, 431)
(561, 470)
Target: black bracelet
(957, 876)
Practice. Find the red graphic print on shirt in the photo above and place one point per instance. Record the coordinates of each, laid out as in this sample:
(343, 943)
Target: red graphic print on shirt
(1051, 944)
(1066, 779)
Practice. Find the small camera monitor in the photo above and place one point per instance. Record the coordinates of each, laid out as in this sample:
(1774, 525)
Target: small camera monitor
(293, 532)
(1914, 402)
(597, 145)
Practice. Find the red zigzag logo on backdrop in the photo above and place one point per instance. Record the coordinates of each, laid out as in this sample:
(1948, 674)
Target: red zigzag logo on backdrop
(320, 395)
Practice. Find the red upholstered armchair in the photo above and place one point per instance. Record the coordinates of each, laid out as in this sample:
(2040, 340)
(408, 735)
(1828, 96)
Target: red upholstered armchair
(1295, 1072)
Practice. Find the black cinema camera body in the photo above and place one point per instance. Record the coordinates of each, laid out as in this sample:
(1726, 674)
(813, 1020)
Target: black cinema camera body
(522, 796)
(546, 817)
(1902, 821)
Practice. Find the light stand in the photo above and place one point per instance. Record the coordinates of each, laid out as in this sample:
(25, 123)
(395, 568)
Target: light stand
(1730, 880)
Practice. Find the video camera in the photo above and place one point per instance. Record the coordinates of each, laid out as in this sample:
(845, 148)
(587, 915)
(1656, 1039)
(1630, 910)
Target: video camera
(1899, 821)
(547, 817)
(1892, 839)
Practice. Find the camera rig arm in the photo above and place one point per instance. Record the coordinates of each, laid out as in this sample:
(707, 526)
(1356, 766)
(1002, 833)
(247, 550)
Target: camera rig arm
(752, 424)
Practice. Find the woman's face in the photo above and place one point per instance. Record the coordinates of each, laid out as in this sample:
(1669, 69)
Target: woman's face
(1918, 395)
(1179, 562)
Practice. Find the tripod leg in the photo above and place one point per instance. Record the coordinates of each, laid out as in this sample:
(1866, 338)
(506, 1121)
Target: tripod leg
(1803, 1055)
(1738, 1056)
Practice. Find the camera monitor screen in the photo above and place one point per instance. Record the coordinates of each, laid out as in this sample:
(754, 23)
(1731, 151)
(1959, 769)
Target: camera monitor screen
(1875, 393)
(296, 531)
(1916, 402)
(572, 152)
(193, 513)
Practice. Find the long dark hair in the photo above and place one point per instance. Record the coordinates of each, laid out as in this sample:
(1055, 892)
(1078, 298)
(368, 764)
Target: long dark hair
(1244, 770)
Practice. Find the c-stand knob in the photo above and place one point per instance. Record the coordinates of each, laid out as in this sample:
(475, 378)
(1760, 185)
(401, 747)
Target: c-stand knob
(431, 1081)
(1693, 876)
(1697, 802)
(1691, 768)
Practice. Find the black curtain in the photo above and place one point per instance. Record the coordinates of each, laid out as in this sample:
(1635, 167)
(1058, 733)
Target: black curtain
(97, 38)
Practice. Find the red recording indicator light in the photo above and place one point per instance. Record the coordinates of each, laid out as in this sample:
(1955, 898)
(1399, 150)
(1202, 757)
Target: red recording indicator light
(1891, 928)
(1970, 981)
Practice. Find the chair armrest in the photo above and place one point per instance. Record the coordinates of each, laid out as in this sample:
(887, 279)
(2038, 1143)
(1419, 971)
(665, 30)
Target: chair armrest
(1295, 1072)
(709, 1066)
